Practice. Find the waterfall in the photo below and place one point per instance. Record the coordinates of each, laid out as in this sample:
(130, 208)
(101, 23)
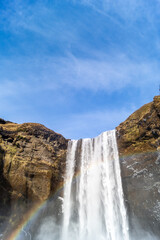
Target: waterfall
(93, 206)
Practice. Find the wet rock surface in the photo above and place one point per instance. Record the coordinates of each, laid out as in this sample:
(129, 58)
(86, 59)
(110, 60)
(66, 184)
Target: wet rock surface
(32, 164)
(138, 141)
(141, 183)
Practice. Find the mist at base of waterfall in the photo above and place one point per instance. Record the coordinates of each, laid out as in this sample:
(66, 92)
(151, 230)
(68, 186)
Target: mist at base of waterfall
(49, 230)
(92, 204)
(47, 225)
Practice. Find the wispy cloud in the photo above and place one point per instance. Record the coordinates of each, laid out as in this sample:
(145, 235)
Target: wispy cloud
(37, 18)
(107, 73)
(127, 9)
(139, 15)
(88, 46)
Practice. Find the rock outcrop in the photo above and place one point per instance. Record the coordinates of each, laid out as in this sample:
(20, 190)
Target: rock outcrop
(138, 141)
(32, 164)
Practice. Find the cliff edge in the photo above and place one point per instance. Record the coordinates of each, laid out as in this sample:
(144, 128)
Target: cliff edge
(138, 141)
(32, 165)
(141, 131)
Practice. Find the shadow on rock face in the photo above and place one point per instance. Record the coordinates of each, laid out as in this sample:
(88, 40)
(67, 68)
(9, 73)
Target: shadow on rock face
(138, 139)
(137, 232)
(5, 196)
(140, 177)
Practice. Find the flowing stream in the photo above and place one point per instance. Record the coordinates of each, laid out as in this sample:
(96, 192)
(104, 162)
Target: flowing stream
(93, 205)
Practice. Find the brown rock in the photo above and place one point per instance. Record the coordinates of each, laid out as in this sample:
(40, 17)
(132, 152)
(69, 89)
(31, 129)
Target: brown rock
(138, 141)
(141, 131)
(32, 164)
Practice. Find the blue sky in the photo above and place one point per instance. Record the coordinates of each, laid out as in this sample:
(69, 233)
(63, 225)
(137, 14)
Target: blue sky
(80, 67)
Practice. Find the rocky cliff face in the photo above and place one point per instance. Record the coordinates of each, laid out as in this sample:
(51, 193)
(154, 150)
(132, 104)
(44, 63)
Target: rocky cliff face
(138, 141)
(32, 164)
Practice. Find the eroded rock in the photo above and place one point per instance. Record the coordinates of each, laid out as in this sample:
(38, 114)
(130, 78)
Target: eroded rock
(32, 164)
(138, 141)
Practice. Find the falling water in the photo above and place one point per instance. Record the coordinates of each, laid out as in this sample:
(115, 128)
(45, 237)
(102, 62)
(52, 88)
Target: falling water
(93, 207)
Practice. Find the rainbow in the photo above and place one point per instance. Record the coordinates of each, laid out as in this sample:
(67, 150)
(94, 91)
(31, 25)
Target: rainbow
(14, 235)
(28, 217)
(31, 214)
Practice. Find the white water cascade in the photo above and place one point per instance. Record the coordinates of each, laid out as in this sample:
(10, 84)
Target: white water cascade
(93, 206)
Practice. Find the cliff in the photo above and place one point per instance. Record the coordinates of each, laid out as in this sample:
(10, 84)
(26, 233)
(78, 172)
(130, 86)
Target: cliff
(138, 141)
(32, 164)
(141, 131)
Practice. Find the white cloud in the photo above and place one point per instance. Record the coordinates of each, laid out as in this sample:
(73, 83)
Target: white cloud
(125, 8)
(39, 18)
(111, 73)
(129, 14)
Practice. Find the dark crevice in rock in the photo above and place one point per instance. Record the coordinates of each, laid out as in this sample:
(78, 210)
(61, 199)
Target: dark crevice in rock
(9, 167)
(2, 121)
(26, 192)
